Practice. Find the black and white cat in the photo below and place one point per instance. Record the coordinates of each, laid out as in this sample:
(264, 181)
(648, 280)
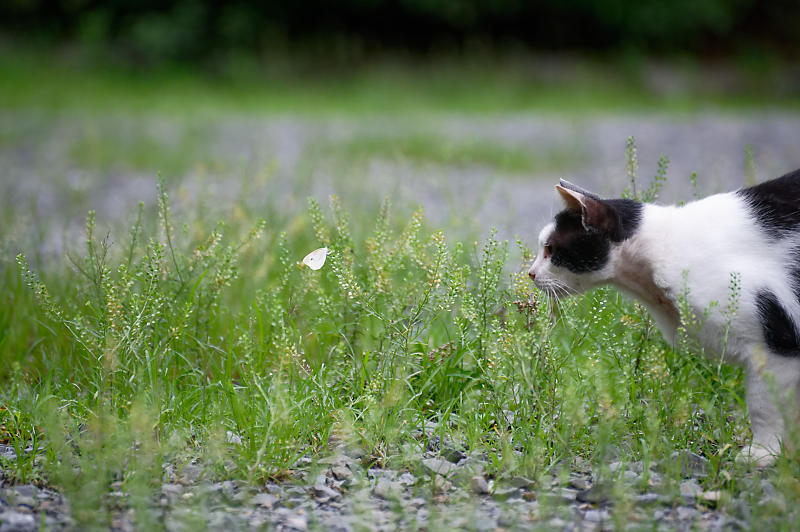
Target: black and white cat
(657, 254)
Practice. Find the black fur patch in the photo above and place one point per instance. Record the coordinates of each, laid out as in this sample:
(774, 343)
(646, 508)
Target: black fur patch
(630, 215)
(794, 270)
(775, 204)
(580, 250)
(780, 332)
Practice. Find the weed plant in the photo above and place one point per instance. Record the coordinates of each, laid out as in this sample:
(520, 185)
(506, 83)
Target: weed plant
(222, 348)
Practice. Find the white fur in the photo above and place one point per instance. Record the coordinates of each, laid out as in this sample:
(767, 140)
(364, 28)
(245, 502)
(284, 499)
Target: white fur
(693, 251)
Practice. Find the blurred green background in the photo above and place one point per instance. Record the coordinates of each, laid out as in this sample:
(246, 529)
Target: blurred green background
(206, 32)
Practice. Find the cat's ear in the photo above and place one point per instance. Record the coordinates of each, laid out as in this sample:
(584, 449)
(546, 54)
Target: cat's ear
(572, 186)
(574, 200)
(595, 214)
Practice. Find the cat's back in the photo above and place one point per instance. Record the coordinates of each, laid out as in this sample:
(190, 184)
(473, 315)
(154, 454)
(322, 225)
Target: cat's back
(745, 221)
(753, 232)
(775, 204)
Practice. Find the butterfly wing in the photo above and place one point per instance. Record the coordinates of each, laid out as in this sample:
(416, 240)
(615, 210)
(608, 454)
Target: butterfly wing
(316, 259)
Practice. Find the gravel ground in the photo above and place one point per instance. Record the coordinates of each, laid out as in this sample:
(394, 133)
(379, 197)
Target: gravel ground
(283, 160)
(446, 489)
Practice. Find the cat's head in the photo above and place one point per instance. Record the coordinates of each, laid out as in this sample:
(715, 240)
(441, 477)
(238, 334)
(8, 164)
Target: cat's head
(575, 249)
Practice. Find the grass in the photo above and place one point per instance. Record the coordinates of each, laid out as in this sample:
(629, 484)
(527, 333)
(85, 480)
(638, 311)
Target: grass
(153, 349)
(422, 148)
(73, 82)
(153, 342)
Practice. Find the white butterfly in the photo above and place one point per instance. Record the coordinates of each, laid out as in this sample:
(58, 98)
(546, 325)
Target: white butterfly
(316, 259)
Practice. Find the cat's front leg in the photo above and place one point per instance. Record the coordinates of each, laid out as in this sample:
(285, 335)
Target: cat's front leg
(772, 382)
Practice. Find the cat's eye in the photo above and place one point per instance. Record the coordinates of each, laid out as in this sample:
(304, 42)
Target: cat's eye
(548, 250)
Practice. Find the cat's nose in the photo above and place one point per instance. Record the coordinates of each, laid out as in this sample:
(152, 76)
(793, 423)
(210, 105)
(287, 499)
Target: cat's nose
(532, 274)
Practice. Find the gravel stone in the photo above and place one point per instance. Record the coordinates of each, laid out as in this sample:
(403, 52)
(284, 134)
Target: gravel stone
(690, 489)
(172, 492)
(478, 485)
(578, 483)
(441, 484)
(452, 454)
(25, 490)
(8, 452)
(265, 500)
(407, 479)
(233, 438)
(647, 498)
(596, 516)
(191, 473)
(324, 493)
(522, 482)
(341, 472)
(504, 494)
(296, 521)
(11, 521)
(387, 489)
(435, 466)
(690, 464)
(712, 497)
(594, 495)
(768, 488)
(484, 524)
(24, 501)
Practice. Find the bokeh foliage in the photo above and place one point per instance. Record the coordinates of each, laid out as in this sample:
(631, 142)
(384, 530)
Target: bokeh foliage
(149, 31)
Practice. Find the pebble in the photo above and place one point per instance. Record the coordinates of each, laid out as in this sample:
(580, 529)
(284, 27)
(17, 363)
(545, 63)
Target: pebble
(686, 513)
(407, 479)
(340, 472)
(629, 476)
(647, 498)
(233, 438)
(578, 483)
(484, 524)
(711, 496)
(569, 494)
(324, 493)
(191, 473)
(689, 464)
(594, 495)
(596, 516)
(768, 489)
(265, 500)
(435, 466)
(441, 484)
(8, 452)
(452, 454)
(172, 491)
(478, 485)
(504, 494)
(25, 490)
(386, 489)
(690, 489)
(293, 520)
(522, 482)
(25, 500)
(11, 521)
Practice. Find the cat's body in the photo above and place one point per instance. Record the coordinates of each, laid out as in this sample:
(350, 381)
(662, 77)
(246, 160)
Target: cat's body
(734, 257)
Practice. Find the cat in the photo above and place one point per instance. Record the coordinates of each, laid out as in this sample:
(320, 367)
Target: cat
(658, 254)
